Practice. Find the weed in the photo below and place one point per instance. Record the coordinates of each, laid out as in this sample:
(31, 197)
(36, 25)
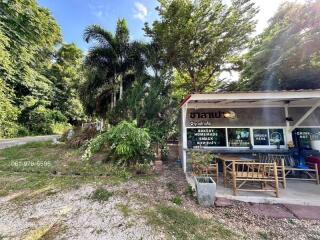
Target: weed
(101, 195)
(184, 225)
(177, 200)
(189, 192)
(291, 221)
(124, 209)
(172, 187)
(263, 235)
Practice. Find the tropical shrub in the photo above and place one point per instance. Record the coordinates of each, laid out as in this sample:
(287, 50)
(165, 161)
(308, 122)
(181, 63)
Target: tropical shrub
(127, 144)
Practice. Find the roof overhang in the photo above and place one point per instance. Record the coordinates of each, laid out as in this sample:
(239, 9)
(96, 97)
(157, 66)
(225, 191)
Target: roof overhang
(301, 98)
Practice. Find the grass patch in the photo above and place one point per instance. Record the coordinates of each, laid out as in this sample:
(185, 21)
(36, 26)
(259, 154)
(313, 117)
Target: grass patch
(42, 168)
(124, 209)
(189, 192)
(101, 195)
(184, 225)
(177, 200)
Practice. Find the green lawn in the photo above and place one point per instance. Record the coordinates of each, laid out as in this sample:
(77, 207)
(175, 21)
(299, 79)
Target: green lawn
(42, 167)
(182, 224)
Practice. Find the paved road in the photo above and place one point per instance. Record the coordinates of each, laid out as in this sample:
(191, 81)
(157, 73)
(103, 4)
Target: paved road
(6, 143)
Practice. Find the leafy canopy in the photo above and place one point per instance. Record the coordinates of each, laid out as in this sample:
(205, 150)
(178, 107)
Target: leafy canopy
(202, 38)
(287, 54)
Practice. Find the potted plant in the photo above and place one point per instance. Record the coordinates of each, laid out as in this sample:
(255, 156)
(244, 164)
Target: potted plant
(205, 186)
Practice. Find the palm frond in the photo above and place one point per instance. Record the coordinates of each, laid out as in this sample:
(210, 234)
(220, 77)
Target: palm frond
(102, 36)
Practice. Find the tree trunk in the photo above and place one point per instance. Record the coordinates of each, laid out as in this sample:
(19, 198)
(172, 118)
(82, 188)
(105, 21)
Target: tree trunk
(121, 88)
(114, 98)
(112, 104)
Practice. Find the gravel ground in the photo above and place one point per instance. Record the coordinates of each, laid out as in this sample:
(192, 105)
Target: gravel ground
(73, 215)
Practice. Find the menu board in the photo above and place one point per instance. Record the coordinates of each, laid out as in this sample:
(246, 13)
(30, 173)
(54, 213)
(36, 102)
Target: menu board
(276, 136)
(206, 137)
(302, 136)
(260, 137)
(239, 137)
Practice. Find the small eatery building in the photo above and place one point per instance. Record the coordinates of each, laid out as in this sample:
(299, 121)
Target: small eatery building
(249, 122)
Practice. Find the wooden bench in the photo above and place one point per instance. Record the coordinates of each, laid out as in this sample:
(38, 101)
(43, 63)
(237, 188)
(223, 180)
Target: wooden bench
(312, 172)
(253, 172)
(280, 167)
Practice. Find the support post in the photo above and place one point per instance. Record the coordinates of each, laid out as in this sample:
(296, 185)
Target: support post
(184, 138)
(288, 130)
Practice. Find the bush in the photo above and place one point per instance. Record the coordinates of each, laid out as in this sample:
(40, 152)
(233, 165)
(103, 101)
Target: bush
(8, 113)
(42, 120)
(60, 128)
(127, 144)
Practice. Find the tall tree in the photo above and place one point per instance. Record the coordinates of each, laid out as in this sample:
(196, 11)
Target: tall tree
(287, 54)
(112, 60)
(202, 38)
(28, 36)
(66, 74)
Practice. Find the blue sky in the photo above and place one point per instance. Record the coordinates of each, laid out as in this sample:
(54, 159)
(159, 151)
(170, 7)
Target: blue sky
(74, 16)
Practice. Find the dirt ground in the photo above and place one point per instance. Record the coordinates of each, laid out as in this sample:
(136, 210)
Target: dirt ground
(72, 214)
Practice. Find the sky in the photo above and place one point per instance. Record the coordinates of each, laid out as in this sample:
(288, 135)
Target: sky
(73, 16)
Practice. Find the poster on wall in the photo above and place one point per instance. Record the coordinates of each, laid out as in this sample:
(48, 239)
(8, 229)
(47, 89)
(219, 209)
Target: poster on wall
(260, 137)
(276, 136)
(302, 136)
(239, 137)
(206, 137)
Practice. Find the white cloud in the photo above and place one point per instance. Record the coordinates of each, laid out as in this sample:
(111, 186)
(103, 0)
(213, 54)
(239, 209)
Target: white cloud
(98, 10)
(140, 11)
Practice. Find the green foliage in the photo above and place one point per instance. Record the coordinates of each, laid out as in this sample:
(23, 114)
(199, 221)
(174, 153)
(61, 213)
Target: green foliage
(8, 113)
(200, 39)
(112, 61)
(60, 128)
(286, 55)
(177, 200)
(190, 191)
(127, 144)
(101, 195)
(28, 36)
(200, 160)
(66, 75)
(42, 120)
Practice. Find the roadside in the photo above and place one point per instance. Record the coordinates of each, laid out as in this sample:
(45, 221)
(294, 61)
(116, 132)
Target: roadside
(64, 201)
(6, 143)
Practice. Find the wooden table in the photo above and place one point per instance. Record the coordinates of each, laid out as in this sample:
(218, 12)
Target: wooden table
(227, 163)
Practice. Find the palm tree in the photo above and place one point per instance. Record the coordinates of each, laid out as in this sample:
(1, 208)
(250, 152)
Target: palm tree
(112, 59)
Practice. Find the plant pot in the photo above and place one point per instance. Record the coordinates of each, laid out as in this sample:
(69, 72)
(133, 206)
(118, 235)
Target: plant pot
(315, 144)
(206, 191)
